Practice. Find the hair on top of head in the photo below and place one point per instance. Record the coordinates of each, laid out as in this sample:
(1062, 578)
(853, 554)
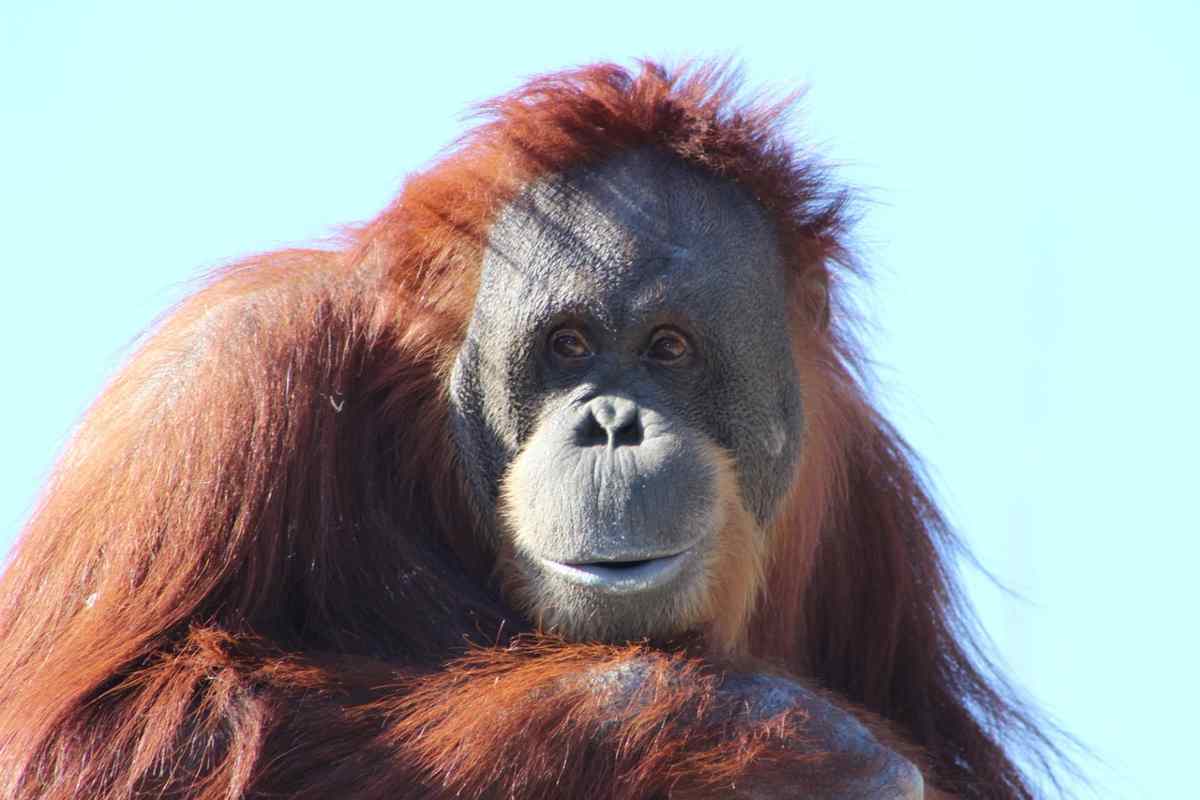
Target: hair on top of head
(578, 117)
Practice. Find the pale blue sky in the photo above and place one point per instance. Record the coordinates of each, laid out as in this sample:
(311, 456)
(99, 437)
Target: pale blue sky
(1032, 171)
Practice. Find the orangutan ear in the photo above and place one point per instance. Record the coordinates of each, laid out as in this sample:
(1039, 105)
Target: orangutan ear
(814, 292)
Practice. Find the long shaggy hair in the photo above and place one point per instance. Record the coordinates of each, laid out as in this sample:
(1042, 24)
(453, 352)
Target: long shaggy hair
(254, 566)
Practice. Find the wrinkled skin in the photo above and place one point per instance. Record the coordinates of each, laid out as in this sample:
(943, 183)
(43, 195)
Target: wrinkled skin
(630, 346)
(885, 774)
(619, 253)
(878, 772)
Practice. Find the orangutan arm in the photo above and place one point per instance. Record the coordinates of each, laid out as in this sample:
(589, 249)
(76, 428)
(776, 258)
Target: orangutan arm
(552, 721)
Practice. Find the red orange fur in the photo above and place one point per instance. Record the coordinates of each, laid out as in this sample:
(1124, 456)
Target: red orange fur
(254, 571)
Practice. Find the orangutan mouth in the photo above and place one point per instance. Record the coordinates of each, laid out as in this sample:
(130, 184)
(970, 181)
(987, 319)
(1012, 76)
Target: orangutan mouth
(626, 576)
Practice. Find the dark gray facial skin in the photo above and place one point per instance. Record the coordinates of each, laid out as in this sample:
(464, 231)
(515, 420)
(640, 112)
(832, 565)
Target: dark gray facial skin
(601, 471)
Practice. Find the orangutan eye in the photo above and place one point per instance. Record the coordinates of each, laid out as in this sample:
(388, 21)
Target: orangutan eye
(667, 346)
(569, 344)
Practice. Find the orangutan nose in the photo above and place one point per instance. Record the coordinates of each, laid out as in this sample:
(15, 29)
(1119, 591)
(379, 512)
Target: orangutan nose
(611, 422)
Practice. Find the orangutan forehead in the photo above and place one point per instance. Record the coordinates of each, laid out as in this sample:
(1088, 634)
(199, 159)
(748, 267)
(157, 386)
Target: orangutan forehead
(639, 214)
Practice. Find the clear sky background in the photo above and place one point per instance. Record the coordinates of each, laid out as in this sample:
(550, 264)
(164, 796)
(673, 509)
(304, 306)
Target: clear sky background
(1032, 172)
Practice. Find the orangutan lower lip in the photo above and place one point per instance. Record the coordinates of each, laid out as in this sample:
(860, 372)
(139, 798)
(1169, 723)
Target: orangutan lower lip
(621, 577)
